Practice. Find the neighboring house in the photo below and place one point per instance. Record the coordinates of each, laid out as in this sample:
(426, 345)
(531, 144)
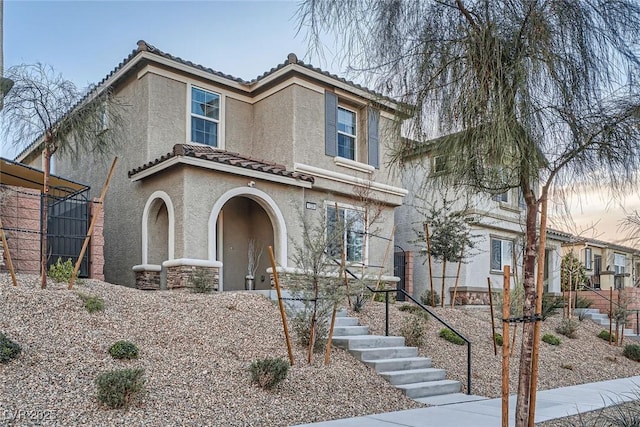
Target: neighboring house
(497, 224)
(211, 161)
(607, 265)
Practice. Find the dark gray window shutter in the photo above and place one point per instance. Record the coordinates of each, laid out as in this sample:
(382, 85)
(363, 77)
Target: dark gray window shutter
(331, 124)
(373, 142)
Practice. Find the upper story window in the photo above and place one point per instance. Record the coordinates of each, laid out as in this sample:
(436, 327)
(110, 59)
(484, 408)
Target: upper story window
(345, 230)
(619, 263)
(348, 136)
(504, 197)
(346, 133)
(501, 253)
(205, 116)
(439, 164)
(587, 258)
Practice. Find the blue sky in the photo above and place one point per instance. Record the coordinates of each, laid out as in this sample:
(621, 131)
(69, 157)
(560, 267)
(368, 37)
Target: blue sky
(84, 40)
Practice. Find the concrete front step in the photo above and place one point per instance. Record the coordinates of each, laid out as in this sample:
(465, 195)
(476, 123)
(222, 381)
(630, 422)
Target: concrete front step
(603, 320)
(450, 399)
(346, 321)
(341, 331)
(399, 364)
(430, 388)
(414, 376)
(354, 342)
(370, 354)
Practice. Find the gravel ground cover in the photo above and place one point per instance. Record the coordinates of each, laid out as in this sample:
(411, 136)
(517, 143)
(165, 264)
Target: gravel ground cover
(196, 349)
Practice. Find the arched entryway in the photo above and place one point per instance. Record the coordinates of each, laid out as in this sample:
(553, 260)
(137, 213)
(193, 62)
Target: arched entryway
(238, 217)
(158, 229)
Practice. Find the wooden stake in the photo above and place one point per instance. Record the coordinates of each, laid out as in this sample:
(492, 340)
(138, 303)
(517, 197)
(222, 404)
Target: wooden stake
(493, 321)
(7, 256)
(280, 305)
(513, 340)
(93, 223)
(455, 286)
(611, 314)
(506, 313)
(327, 351)
(539, 291)
(428, 239)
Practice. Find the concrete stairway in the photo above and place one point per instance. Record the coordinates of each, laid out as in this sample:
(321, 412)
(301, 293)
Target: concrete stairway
(395, 362)
(603, 320)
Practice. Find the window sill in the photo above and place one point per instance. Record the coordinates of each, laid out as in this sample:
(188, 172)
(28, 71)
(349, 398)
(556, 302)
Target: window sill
(352, 164)
(508, 207)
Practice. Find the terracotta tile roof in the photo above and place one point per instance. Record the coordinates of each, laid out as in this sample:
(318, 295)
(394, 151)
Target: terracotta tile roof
(224, 157)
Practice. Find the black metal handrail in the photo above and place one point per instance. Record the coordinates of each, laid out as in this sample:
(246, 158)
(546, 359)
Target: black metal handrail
(435, 316)
(636, 311)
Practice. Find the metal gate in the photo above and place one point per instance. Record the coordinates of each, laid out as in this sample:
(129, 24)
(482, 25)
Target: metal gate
(399, 268)
(67, 226)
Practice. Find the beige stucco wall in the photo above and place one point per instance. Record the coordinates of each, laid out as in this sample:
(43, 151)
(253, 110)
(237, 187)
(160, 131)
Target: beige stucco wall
(273, 137)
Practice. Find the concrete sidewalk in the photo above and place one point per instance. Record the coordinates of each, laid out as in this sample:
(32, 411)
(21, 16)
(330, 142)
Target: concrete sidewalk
(551, 404)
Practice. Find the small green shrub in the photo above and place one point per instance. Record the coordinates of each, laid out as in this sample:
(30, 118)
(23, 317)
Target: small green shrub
(92, 303)
(119, 388)
(550, 305)
(413, 332)
(359, 302)
(568, 328)
(632, 351)
(450, 336)
(498, 339)
(414, 309)
(123, 350)
(551, 339)
(582, 302)
(426, 299)
(8, 349)
(200, 282)
(268, 373)
(301, 325)
(61, 271)
(606, 336)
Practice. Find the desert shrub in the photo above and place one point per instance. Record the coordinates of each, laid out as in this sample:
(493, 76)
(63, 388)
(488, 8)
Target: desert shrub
(498, 339)
(8, 349)
(61, 271)
(582, 302)
(301, 325)
(359, 302)
(550, 305)
(119, 388)
(425, 298)
(123, 350)
(268, 373)
(606, 336)
(632, 351)
(200, 282)
(568, 328)
(413, 332)
(551, 339)
(414, 309)
(91, 303)
(450, 336)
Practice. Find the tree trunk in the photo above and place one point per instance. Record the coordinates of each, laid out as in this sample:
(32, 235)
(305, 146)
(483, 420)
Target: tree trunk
(444, 275)
(44, 214)
(524, 379)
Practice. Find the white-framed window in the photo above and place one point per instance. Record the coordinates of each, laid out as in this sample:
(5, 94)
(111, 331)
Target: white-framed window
(347, 125)
(204, 117)
(587, 258)
(619, 263)
(504, 197)
(501, 253)
(346, 229)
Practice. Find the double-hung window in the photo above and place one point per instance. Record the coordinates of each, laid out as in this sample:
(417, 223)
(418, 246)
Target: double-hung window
(503, 197)
(587, 258)
(501, 253)
(345, 230)
(205, 116)
(346, 133)
(619, 263)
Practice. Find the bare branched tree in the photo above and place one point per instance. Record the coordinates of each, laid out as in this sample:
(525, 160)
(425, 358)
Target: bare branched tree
(54, 116)
(529, 94)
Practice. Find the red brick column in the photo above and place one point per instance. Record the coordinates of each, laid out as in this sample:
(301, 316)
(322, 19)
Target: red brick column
(408, 273)
(20, 213)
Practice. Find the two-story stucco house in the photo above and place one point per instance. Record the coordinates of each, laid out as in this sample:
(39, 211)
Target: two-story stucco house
(496, 226)
(211, 162)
